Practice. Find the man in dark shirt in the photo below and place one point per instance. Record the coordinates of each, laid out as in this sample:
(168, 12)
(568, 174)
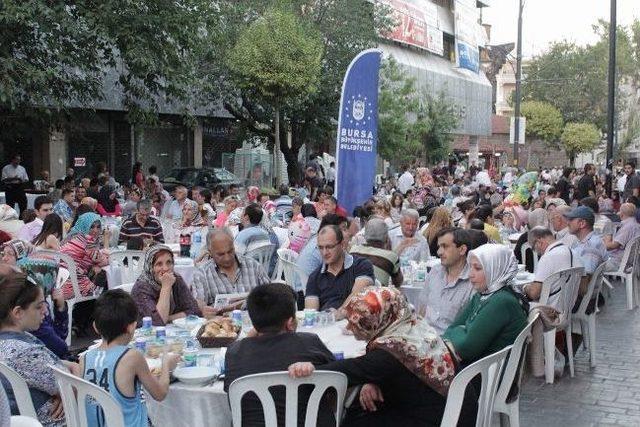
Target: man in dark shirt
(632, 185)
(340, 275)
(142, 225)
(275, 346)
(586, 185)
(564, 185)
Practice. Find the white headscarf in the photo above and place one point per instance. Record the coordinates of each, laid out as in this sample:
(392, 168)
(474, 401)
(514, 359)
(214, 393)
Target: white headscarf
(499, 265)
(538, 218)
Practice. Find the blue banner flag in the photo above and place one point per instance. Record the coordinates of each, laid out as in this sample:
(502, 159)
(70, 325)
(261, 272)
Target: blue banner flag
(357, 142)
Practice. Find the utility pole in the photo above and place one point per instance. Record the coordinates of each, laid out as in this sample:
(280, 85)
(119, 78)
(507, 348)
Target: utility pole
(516, 126)
(611, 104)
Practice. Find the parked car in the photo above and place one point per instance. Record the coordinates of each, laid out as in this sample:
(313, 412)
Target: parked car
(202, 177)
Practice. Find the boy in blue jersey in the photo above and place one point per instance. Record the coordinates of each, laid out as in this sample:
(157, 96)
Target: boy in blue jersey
(118, 369)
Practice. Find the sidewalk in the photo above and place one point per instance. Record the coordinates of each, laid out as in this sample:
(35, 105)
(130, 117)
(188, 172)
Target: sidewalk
(608, 394)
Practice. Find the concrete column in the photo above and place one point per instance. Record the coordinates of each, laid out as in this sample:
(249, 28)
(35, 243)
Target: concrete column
(58, 153)
(473, 151)
(197, 145)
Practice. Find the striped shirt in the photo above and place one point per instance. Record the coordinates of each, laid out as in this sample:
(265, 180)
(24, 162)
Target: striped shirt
(209, 280)
(152, 229)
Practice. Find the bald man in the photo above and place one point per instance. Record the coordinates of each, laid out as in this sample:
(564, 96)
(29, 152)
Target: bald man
(629, 230)
(224, 273)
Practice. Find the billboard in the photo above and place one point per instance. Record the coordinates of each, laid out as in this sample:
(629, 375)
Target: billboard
(417, 25)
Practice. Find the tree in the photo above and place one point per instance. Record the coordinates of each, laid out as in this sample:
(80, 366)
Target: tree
(277, 60)
(544, 121)
(345, 27)
(398, 136)
(442, 122)
(578, 138)
(56, 55)
(573, 78)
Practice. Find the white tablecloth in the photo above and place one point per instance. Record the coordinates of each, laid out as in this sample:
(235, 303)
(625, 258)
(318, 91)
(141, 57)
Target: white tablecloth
(114, 273)
(187, 405)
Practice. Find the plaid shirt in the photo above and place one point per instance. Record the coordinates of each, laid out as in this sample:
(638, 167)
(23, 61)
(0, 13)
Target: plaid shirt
(209, 280)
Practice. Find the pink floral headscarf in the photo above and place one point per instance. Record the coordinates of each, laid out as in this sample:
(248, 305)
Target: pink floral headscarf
(299, 234)
(385, 318)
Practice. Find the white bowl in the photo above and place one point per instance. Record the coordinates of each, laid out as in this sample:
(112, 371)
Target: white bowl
(188, 323)
(195, 375)
(522, 275)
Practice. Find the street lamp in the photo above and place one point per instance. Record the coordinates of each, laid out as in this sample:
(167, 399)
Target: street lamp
(516, 119)
(611, 106)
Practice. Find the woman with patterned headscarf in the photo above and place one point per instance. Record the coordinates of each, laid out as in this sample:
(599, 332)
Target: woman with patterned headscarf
(191, 220)
(405, 358)
(495, 315)
(9, 222)
(82, 244)
(15, 250)
(160, 292)
(55, 325)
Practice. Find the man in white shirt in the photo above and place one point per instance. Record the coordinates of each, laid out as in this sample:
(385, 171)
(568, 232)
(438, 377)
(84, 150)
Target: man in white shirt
(554, 256)
(331, 175)
(405, 182)
(43, 207)
(560, 225)
(406, 241)
(14, 176)
(174, 210)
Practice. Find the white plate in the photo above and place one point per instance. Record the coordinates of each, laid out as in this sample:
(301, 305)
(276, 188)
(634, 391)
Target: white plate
(195, 375)
(188, 324)
(523, 275)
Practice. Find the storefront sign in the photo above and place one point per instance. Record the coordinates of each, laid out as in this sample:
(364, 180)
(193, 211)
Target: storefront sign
(79, 161)
(416, 25)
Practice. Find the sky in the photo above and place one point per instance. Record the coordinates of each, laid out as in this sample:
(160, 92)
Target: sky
(545, 21)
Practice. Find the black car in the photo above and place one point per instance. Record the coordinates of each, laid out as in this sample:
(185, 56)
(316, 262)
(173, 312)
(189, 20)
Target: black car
(201, 177)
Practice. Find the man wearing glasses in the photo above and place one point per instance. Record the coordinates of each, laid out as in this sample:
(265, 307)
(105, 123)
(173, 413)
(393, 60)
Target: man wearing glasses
(142, 225)
(340, 275)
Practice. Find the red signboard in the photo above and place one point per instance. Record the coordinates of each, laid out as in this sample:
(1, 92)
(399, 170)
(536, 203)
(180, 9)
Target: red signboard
(412, 27)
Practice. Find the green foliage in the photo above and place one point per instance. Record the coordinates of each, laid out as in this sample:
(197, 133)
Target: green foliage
(579, 137)
(544, 121)
(411, 122)
(398, 137)
(57, 54)
(345, 28)
(277, 58)
(574, 78)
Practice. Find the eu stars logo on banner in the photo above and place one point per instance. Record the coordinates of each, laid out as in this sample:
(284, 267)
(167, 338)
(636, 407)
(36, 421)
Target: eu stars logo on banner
(357, 141)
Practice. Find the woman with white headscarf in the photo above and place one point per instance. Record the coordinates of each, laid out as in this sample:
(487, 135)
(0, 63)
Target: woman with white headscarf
(495, 315)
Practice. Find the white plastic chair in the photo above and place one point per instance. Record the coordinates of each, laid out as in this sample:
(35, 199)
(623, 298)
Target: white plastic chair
(74, 392)
(134, 267)
(625, 272)
(506, 405)
(489, 368)
(78, 297)
(523, 254)
(588, 321)
(569, 282)
(63, 276)
(20, 391)
(260, 384)
(261, 252)
(287, 259)
(21, 421)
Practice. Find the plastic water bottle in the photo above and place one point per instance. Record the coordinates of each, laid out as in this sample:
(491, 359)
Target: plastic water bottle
(196, 244)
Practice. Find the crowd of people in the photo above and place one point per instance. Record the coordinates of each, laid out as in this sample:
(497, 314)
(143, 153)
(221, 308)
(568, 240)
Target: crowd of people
(349, 263)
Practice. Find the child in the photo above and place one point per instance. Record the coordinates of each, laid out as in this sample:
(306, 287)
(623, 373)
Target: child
(118, 369)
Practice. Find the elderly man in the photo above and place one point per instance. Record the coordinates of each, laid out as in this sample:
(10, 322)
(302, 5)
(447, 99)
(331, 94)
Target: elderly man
(560, 226)
(340, 275)
(554, 256)
(406, 241)
(142, 224)
(629, 230)
(448, 287)
(590, 247)
(377, 249)
(225, 273)
(174, 210)
(43, 207)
